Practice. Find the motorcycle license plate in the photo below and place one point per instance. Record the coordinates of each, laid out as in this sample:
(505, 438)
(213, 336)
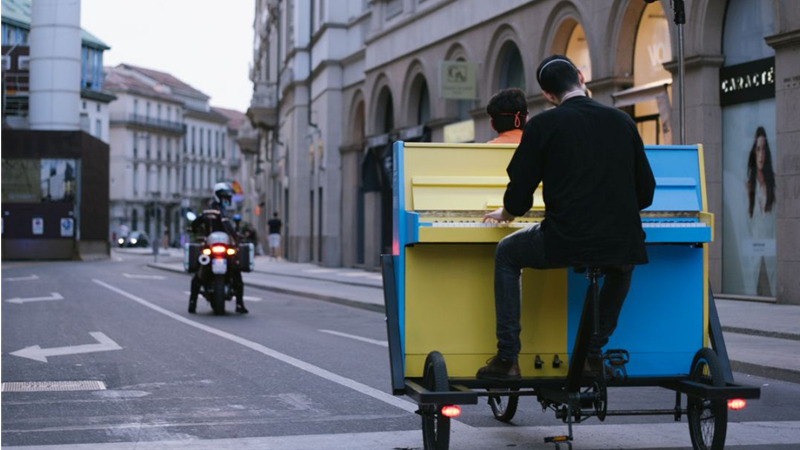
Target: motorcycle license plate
(219, 266)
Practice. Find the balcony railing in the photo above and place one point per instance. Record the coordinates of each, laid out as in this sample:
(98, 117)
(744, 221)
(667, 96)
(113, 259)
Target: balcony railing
(148, 122)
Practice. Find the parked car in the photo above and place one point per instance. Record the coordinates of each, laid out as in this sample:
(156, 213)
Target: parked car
(135, 239)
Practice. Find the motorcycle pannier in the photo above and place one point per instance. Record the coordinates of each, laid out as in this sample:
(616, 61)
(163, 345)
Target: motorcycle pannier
(191, 252)
(246, 257)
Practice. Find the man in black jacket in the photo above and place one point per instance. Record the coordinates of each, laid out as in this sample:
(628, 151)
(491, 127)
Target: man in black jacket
(591, 161)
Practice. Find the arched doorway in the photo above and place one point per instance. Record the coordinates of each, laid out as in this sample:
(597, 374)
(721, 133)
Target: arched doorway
(511, 69)
(578, 51)
(747, 96)
(376, 179)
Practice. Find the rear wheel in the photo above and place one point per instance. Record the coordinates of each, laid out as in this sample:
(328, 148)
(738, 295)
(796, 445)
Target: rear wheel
(218, 295)
(708, 419)
(504, 406)
(435, 426)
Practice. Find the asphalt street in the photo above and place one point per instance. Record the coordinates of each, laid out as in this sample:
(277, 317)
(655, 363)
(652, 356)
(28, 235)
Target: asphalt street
(307, 368)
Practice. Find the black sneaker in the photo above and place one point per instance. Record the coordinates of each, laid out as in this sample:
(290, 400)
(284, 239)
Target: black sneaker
(241, 309)
(499, 369)
(192, 306)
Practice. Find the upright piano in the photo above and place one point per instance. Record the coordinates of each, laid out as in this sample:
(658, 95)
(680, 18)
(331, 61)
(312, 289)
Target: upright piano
(443, 267)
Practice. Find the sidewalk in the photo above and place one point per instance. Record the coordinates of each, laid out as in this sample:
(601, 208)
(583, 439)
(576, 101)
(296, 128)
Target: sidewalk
(762, 339)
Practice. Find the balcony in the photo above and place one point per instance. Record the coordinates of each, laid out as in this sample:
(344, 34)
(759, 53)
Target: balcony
(148, 123)
(263, 110)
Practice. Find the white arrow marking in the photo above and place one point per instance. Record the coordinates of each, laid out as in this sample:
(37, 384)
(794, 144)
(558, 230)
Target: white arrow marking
(28, 278)
(53, 296)
(37, 353)
(358, 338)
(144, 277)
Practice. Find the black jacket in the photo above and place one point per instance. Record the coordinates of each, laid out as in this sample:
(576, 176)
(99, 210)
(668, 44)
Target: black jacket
(596, 177)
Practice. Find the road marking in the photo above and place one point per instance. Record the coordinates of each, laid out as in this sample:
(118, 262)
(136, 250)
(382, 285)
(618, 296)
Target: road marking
(320, 270)
(302, 365)
(246, 297)
(19, 300)
(143, 277)
(358, 338)
(27, 278)
(36, 353)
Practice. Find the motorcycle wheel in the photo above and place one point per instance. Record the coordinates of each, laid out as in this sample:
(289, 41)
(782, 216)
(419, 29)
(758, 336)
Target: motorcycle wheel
(218, 295)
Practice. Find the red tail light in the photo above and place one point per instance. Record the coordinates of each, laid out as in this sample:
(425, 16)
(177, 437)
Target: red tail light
(736, 404)
(451, 411)
(218, 249)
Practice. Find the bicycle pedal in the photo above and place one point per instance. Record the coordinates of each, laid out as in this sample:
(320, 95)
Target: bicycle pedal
(558, 440)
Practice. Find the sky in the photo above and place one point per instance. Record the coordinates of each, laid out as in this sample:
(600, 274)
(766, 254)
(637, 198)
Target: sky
(207, 44)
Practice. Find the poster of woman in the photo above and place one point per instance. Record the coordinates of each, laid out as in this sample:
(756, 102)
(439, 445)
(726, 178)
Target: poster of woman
(749, 250)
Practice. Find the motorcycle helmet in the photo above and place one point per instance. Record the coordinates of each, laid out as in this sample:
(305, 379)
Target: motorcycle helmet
(223, 194)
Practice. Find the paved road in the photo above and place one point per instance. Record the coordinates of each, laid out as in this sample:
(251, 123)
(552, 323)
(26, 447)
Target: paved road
(296, 373)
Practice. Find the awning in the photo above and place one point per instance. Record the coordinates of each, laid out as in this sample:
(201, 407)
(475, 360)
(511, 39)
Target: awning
(641, 93)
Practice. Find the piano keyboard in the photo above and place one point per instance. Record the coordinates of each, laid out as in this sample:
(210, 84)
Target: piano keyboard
(472, 229)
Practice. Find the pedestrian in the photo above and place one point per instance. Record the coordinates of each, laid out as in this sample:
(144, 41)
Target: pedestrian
(508, 111)
(591, 160)
(274, 236)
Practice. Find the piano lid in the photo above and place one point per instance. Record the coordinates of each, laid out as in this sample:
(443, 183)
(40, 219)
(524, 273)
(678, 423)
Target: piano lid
(680, 178)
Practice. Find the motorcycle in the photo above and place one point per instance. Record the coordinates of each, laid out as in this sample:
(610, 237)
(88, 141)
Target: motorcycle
(217, 262)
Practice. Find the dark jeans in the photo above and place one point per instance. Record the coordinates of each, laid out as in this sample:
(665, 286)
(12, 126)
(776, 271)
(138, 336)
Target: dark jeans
(525, 248)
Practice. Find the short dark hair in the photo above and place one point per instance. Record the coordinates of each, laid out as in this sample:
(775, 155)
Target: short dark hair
(508, 109)
(557, 75)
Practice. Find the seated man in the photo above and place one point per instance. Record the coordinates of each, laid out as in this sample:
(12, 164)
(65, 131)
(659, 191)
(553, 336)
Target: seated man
(591, 161)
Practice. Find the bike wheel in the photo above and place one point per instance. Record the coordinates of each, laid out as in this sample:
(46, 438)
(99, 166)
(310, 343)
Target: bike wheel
(708, 419)
(218, 295)
(435, 426)
(503, 407)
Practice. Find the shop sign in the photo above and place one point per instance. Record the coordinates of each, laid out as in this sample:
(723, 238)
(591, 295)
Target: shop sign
(747, 82)
(458, 80)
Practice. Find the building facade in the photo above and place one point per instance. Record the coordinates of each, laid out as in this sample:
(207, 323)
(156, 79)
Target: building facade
(168, 149)
(335, 83)
(55, 132)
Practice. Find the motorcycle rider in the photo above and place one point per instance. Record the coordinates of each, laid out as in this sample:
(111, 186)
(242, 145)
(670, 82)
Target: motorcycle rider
(214, 219)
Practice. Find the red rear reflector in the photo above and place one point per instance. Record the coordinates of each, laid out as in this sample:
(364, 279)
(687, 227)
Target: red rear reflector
(218, 249)
(451, 411)
(736, 404)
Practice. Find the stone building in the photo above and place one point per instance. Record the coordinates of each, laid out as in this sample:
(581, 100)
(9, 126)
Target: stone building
(335, 83)
(168, 149)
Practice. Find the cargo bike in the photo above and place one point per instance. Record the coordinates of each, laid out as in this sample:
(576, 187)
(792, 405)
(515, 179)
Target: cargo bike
(440, 309)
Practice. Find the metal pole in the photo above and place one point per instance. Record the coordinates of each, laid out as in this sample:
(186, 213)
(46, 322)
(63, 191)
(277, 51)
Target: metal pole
(680, 19)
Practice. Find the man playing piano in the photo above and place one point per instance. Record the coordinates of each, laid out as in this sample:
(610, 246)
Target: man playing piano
(591, 161)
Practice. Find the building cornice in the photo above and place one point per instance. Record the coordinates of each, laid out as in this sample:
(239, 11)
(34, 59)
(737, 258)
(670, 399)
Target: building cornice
(780, 40)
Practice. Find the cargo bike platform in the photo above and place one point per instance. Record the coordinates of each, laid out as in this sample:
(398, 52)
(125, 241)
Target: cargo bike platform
(440, 305)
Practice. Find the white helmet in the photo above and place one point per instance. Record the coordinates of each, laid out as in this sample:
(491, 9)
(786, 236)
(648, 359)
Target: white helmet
(223, 193)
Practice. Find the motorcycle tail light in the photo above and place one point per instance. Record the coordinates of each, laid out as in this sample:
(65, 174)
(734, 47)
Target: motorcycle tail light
(206, 251)
(218, 249)
(231, 251)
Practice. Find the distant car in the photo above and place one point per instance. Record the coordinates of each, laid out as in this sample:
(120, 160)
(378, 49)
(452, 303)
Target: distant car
(135, 239)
